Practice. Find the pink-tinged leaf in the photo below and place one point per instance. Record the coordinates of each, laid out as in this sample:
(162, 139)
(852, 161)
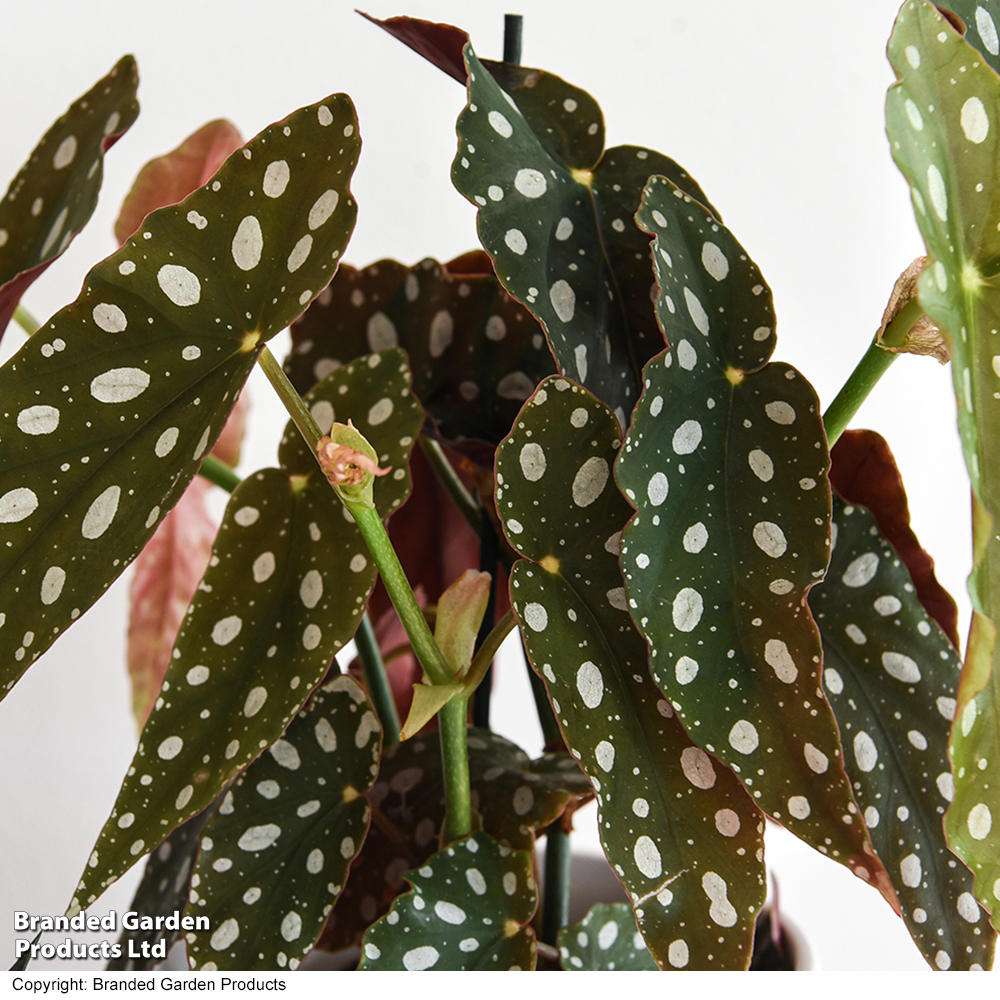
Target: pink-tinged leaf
(459, 615)
(54, 194)
(166, 576)
(169, 179)
(440, 44)
(864, 472)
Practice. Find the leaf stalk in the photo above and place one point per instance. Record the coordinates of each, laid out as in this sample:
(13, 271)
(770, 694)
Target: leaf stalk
(219, 474)
(555, 904)
(454, 751)
(25, 320)
(376, 681)
(872, 366)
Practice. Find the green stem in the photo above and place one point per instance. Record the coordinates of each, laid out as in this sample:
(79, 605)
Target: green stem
(555, 905)
(454, 753)
(869, 370)
(455, 758)
(448, 477)
(217, 472)
(863, 379)
(488, 650)
(401, 594)
(458, 795)
(376, 680)
(288, 395)
(25, 320)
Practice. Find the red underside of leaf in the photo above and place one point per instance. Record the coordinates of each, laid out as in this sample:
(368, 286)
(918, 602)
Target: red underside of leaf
(12, 292)
(440, 44)
(864, 472)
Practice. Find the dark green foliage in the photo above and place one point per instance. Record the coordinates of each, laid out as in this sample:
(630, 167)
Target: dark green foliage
(54, 194)
(945, 133)
(287, 583)
(163, 890)
(726, 465)
(556, 217)
(694, 874)
(891, 676)
(467, 910)
(475, 352)
(513, 795)
(276, 854)
(605, 941)
(110, 407)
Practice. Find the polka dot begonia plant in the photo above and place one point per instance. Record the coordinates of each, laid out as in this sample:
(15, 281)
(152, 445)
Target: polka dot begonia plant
(718, 636)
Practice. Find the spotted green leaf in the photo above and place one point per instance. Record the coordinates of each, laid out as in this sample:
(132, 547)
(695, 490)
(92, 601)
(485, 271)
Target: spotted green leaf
(676, 826)
(981, 18)
(55, 193)
(468, 910)
(109, 408)
(556, 217)
(513, 795)
(287, 583)
(476, 353)
(726, 464)
(605, 941)
(166, 882)
(276, 854)
(863, 471)
(943, 118)
(891, 674)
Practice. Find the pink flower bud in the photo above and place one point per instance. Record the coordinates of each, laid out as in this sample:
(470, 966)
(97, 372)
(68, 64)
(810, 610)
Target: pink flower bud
(345, 466)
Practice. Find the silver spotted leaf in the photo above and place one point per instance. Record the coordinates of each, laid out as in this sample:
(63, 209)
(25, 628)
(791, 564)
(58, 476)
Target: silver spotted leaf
(277, 851)
(468, 910)
(108, 410)
(982, 19)
(556, 217)
(605, 941)
(943, 119)
(55, 193)
(677, 826)
(475, 352)
(726, 464)
(891, 674)
(163, 891)
(286, 585)
(513, 795)
(865, 472)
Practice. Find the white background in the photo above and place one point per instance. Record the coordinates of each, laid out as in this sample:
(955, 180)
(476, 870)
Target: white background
(776, 107)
